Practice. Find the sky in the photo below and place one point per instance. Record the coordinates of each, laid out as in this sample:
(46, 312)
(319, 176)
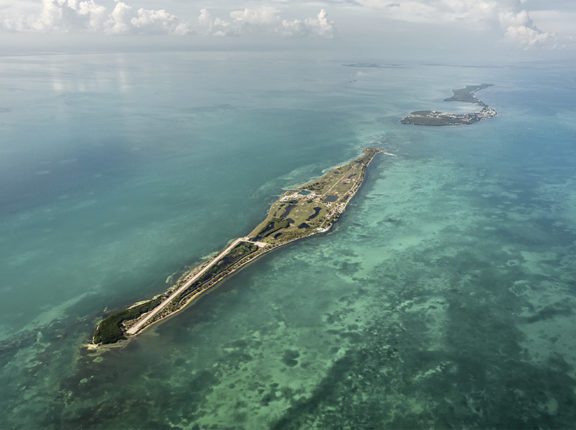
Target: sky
(537, 27)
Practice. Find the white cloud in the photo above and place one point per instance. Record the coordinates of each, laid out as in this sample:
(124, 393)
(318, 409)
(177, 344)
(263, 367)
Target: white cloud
(118, 21)
(261, 16)
(264, 20)
(520, 27)
(511, 16)
(62, 15)
(159, 21)
(87, 15)
(319, 26)
(121, 18)
(14, 24)
(213, 26)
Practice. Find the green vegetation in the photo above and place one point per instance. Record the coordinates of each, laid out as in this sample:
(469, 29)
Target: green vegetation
(310, 212)
(110, 329)
(236, 254)
(241, 250)
(272, 227)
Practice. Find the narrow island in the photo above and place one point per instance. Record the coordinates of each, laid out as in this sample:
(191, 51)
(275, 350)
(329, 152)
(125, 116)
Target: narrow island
(304, 211)
(464, 95)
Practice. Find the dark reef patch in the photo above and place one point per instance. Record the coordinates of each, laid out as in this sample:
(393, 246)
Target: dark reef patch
(396, 375)
(290, 358)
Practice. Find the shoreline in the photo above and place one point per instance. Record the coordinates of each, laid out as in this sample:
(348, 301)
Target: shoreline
(182, 294)
(436, 118)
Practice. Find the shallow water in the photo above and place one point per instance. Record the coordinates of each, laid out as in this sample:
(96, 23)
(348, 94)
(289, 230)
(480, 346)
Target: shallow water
(444, 297)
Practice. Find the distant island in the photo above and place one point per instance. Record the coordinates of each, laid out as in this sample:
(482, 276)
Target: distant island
(373, 66)
(304, 211)
(464, 95)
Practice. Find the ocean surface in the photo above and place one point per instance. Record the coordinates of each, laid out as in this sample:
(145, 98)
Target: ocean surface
(444, 298)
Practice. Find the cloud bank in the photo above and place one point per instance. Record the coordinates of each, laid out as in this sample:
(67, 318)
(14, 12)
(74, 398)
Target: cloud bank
(122, 18)
(520, 26)
(507, 19)
(507, 16)
(264, 19)
(87, 15)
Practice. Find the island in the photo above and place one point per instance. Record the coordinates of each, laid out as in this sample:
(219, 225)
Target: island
(303, 211)
(464, 95)
(373, 66)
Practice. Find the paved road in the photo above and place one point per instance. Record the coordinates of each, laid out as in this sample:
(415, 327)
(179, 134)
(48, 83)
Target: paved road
(136, 327)
(333, 185)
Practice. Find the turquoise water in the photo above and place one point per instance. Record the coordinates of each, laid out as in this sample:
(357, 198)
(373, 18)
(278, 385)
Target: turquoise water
(444, 298)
